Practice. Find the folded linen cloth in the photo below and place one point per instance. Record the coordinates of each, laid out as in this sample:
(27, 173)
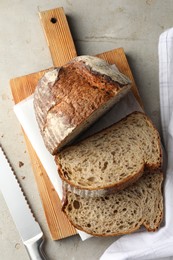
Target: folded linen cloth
(157, 245)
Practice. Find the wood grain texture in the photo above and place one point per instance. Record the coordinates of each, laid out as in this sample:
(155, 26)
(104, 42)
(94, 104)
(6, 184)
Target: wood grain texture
(24, 86)
(57, 221)
(58, 36)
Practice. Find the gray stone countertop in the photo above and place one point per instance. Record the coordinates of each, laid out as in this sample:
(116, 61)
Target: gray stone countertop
(97, 26)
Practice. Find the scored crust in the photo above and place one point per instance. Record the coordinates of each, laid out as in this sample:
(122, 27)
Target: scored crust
(67, 100)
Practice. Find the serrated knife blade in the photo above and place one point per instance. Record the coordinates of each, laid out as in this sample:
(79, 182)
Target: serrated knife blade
(28, 227)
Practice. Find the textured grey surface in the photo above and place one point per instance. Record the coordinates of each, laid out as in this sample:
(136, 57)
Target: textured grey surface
(96, 26)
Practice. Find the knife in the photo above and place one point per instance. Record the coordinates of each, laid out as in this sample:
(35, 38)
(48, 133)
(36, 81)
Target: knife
(29, 229)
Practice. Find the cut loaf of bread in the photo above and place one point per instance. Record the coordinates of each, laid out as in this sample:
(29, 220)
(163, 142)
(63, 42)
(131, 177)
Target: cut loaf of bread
(67, 100)
(113, 158)
(119, 213)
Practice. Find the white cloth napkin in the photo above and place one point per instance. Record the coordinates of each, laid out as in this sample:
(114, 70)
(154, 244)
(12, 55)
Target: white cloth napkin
(146, 245)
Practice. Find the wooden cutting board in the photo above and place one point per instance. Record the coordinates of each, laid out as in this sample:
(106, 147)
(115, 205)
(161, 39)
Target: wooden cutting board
(62, 50)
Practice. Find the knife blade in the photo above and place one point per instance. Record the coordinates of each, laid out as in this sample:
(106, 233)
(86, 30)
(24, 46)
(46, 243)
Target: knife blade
(29, 229)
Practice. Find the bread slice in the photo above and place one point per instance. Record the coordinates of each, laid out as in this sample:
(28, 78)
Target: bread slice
(67, 100)
(113, 158)
(119, 213)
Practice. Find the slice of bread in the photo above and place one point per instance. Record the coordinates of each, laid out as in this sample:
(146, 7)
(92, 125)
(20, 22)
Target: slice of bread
(67, 100)
(113, 158)
(119, 213)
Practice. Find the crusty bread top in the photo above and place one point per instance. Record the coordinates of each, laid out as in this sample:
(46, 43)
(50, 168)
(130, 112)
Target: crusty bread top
(66, 98)
(120, 213)
(114, 157)
(102, 67)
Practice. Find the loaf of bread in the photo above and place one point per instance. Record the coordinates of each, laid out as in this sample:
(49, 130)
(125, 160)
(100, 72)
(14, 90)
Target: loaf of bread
(113, 158)
(120, 213)
(67, 100)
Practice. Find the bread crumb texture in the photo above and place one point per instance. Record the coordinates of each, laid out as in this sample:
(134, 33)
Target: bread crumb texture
(113, 157)
(120, 213)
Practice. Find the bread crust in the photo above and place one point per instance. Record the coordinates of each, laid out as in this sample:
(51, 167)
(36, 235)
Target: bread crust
(118, 233)
(105, 189)
(66, 100)
(102, 235)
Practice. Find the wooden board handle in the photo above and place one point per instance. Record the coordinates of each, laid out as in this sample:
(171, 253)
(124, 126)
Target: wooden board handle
(58, 36)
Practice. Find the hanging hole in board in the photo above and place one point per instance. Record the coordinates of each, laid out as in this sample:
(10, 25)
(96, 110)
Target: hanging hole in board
(53, 20)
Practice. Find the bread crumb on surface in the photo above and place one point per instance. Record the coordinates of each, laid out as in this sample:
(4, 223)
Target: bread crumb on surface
(21, 164)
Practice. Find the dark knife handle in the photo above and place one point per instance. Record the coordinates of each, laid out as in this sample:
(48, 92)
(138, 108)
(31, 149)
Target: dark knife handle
(34, 248)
